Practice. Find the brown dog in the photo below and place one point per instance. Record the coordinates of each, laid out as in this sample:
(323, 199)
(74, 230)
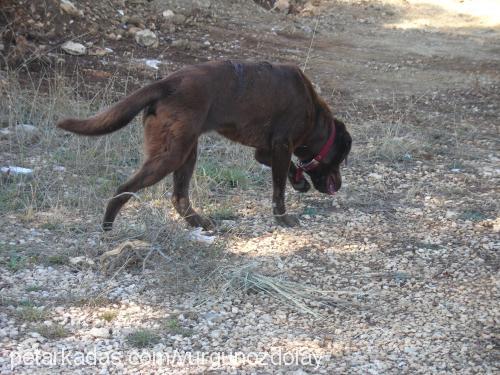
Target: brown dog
(272, 108)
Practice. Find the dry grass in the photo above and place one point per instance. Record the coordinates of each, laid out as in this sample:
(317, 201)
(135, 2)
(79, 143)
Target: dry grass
(306, 299)
(53, 331)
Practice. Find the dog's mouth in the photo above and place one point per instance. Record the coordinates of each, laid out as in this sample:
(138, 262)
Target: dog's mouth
(330, 185)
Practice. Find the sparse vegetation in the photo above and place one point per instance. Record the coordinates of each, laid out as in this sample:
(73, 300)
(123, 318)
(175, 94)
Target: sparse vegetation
(109, 315)
(173, 327)
(33, 288)
(142, 338)
(223, 212)
(32, 314)
(53, 331)
(16, 262)
(225, 176)
(57, 260)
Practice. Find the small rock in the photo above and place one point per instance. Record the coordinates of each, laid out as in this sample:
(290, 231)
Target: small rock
(134, 30)
(168, 14)
(99, 332)
(134, 20)
(146, 38)
(98, 51)
(282, 5)
(81, 261)
(178, 19)
(5, 133)
(70, 8)
(113, 36)
(181, 43)
(73, 48)
(375, 176)
(27, 132)
(215, 334)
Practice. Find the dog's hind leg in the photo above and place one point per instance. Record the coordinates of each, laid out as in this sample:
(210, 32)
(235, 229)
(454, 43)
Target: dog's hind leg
(180, 197)
(152, 171)
(162, 158)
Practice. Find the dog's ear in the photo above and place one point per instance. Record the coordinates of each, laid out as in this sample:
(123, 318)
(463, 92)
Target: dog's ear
(344, 139)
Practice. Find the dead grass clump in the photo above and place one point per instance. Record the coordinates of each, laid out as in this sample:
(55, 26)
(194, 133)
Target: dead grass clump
(304, 298)
(53, 331)
(397, 141)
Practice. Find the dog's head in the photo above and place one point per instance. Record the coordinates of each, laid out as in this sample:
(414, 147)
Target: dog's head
(326, 176)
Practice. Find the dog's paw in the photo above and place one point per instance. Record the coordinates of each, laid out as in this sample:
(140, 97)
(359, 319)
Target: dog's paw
(286, 220)
(201, 221)
(107, 226)
(302, 186)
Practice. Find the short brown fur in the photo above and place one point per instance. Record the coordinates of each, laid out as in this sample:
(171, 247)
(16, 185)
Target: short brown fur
(271, 107)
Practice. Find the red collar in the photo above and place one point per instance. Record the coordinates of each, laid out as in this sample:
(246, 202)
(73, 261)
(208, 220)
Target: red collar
(314, 162)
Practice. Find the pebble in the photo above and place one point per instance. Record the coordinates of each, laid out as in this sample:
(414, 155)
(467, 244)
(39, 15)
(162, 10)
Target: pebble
(146, 38)
(73, 48)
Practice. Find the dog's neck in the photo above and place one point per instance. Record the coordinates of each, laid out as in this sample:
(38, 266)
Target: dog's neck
(317, 139)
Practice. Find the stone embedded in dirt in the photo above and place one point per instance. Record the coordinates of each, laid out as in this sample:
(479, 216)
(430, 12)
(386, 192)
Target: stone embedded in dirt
(99, 332)
(113, 36)
(98, 51)
(146, 38)
(70, 8)
(134, 20)
(168, 14)
(282, 5)
(73, 48)
(81, 261)
(310, 9)
(181, 43)
(5, 133)
(27, 132)
(133, 30)
(178, 19)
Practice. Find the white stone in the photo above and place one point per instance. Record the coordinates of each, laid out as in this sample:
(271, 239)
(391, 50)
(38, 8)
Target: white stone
(73, 48)
(168, 14)
(146, 38)
(70, 8)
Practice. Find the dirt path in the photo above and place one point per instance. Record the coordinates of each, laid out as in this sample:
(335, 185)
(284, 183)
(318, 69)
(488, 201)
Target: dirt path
(397, 274)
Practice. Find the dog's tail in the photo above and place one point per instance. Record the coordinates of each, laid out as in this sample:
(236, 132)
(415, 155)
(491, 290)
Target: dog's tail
(121, 113)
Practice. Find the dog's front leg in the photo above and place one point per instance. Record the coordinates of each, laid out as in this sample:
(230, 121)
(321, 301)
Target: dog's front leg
(264, 157)
(281, 158)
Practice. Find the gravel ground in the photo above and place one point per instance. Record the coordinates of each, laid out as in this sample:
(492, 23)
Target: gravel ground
(402, 262)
